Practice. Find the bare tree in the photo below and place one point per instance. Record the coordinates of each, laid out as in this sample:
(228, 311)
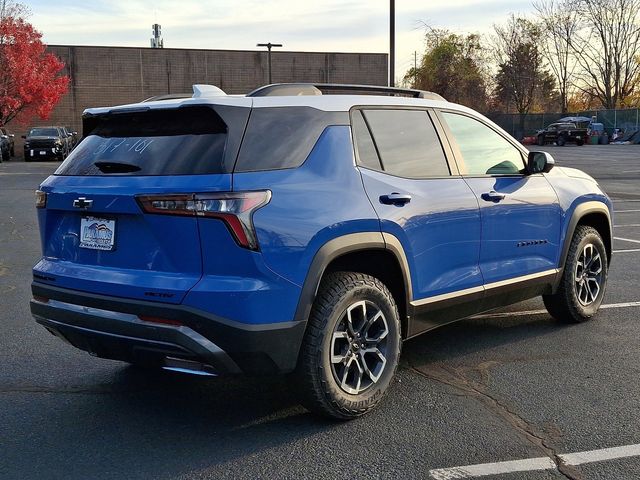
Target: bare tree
(11, 8)
(607, 50)
(520, 65)
(560, 23)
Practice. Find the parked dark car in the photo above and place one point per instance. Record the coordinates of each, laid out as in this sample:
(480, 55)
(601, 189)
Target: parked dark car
(561, 133)
(5, 149)
(10, 140)
(72, 137)
(45, 142)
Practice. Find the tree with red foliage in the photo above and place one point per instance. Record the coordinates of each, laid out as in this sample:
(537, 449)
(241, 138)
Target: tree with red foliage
(30, 80)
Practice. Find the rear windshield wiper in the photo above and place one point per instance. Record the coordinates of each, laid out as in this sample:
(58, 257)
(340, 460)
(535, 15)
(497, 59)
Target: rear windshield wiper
(116, 167)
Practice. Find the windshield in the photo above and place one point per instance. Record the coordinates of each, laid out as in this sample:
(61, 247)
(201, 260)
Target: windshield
(44, 132)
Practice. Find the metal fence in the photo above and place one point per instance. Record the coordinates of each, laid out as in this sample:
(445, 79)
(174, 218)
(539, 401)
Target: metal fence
(626, 119)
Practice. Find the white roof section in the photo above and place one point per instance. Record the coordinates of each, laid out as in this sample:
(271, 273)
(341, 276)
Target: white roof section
(212, 95)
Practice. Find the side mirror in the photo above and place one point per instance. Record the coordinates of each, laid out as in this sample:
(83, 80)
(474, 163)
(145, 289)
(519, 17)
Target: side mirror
(23, 136)
(540, 162)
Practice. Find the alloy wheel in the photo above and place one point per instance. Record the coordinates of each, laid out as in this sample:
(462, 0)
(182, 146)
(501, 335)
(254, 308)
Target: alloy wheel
(359, 347)
(588, 275)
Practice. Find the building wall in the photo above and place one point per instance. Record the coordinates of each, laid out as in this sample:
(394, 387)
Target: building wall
(105, 76)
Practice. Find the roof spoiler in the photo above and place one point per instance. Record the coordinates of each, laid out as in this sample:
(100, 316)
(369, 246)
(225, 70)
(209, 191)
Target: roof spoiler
(199, 91)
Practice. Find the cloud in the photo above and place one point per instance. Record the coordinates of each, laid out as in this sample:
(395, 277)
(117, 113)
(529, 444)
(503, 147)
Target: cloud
(331, 25)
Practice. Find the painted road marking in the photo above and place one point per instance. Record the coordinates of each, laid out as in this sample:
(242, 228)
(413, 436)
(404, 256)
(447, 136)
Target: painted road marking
(626, 239)
(628, 225)
(625, 211)
(483, 469)
(627, 251)
(543, 311)
(532, 464)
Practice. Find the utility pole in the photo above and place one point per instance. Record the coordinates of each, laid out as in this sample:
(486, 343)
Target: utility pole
(415, 69)
(269, 47)
(392, 42)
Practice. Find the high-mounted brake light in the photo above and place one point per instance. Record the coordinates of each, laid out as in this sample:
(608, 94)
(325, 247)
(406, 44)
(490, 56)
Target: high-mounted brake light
(235, 209)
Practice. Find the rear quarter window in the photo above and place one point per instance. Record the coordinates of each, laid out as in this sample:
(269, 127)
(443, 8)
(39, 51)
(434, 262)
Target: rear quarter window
(282, 137)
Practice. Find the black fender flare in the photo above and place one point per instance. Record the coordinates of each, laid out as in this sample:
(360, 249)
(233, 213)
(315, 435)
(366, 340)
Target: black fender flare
(578, 214)
(339, 246)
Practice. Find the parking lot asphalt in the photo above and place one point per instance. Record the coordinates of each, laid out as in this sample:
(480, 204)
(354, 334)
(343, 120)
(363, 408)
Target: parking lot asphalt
(512, 385)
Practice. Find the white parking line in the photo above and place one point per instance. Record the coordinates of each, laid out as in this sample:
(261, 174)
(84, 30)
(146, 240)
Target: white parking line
(483, 469)
(626, 239)
(627, 251)
(625, 211)
(543, 311)
(627, 225)
(532, 464)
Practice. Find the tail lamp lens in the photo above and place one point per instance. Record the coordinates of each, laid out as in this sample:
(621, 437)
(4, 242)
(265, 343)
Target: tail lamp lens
(235, 209)
(41, 199)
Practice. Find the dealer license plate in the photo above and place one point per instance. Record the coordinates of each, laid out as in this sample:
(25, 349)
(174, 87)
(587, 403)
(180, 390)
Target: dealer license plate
(97, 233)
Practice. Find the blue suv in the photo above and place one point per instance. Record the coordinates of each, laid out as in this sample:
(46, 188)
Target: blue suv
(305, 229)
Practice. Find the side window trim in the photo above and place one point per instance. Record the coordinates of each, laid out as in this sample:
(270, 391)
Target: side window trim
(448, 152)
(458, 154)
(373, 139)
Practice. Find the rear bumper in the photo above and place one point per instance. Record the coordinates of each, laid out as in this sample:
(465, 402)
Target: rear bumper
(109, 327)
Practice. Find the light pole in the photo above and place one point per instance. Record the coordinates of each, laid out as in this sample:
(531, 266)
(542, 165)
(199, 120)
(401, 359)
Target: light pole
(392, 42)
(269, 47)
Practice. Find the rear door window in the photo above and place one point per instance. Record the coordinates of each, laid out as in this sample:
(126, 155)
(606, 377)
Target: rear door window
(182, 141)
(407, 143)
(367, 154)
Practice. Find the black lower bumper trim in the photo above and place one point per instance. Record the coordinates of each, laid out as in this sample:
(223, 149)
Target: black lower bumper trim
(250, 349)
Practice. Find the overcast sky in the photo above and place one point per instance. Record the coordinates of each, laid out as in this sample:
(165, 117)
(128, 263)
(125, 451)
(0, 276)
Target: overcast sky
(330, 25)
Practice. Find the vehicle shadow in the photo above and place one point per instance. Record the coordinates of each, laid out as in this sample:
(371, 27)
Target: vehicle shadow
(156, 424)
(475, 344)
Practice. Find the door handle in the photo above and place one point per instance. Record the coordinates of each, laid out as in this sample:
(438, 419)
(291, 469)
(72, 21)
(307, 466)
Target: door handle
(493, 196)
(395, 198)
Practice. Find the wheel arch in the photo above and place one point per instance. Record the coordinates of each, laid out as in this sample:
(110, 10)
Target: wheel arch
(593, 214)
(372, 253)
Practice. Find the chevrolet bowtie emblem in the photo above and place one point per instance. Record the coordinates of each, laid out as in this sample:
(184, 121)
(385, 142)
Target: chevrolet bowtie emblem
(82, 202)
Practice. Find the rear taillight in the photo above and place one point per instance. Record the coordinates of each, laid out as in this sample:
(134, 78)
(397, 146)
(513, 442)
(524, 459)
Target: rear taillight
(41, 199)
(235, 209)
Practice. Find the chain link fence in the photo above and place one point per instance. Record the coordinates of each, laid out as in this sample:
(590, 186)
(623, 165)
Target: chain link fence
(524, 125)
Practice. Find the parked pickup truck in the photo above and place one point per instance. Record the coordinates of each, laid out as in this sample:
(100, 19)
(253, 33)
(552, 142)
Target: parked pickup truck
(561, 133)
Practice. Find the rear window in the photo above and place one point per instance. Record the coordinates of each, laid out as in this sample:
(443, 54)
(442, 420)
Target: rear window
(44, 132)
(282, 137)
(183, 141)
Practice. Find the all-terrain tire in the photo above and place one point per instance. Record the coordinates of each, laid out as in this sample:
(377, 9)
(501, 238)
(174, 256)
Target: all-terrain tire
(340, 297)
(566, 305)
(561, 141)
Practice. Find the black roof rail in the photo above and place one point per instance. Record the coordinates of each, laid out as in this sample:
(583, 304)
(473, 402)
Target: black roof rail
(294, 89)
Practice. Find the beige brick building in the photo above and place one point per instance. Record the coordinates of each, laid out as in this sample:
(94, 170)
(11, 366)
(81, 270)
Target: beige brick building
(103, 76)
